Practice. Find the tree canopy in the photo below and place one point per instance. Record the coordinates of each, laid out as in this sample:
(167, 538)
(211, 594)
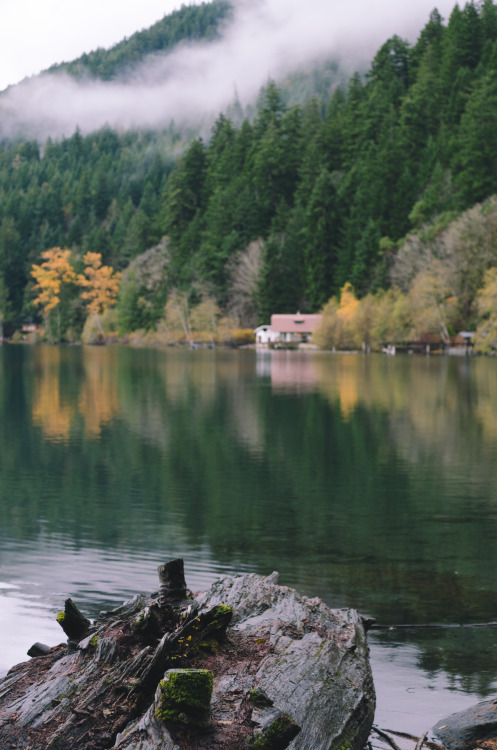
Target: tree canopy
(328, 189)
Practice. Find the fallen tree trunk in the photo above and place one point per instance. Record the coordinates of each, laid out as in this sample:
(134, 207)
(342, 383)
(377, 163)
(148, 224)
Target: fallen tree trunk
(247, 664)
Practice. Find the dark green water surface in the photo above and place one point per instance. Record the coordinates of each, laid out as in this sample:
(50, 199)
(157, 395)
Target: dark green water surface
(368, 481)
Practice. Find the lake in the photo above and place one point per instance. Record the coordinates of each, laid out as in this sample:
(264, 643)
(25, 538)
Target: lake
(368, 481)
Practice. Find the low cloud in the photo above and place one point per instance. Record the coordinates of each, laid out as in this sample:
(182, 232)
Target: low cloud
(265, 39)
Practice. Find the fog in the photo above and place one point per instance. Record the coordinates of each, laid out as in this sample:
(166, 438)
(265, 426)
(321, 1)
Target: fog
(35, 34)
(265, 39)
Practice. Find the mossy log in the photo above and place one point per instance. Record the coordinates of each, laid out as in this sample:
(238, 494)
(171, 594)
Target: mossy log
(247, 664)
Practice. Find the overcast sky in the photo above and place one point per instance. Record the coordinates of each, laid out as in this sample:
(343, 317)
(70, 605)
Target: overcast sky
(265, 39)
(34, 34)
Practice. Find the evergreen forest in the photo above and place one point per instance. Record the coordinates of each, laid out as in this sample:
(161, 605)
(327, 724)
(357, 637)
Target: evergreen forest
(381, 185)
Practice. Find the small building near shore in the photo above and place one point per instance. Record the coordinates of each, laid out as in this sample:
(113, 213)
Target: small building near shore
(429, 343)
(264, 335)
(296, 328)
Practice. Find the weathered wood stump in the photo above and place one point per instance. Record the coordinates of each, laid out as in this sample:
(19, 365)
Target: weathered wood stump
(73, 622)
(247, 664)
(172, 581)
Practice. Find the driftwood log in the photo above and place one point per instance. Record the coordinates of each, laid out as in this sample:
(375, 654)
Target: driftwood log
(247, 664)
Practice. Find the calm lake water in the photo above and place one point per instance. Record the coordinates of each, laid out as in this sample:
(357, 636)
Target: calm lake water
(368, 481)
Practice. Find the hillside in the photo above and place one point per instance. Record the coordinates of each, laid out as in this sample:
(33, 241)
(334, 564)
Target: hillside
(275, 212)
(191, 23)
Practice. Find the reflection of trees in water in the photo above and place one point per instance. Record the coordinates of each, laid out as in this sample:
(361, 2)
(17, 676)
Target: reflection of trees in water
(441, 408)
(98, 402)
(419, 496)
(54, 406)
(467, 656)
(49, 411)
(155, 388)
(369, 483)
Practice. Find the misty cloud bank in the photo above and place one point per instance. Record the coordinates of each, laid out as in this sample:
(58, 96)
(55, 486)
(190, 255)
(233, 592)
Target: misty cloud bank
(265, 39)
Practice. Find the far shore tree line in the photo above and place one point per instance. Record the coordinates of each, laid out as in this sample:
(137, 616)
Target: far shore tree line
(81, 305)
(430, 306)
(442, 280)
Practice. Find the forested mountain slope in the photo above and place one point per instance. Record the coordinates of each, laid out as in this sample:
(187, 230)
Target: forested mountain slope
(278, 211)
(194, 23)
(332, 192)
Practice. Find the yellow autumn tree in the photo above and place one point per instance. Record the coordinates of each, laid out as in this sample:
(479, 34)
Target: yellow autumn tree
(50, 277)
(433, 302)
(348, 306)
(392, 318)
(486, 334)
(337, 329)
(204, 320)
(101, 285)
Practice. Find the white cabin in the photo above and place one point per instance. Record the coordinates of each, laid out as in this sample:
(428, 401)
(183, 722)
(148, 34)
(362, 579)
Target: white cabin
(265, 335)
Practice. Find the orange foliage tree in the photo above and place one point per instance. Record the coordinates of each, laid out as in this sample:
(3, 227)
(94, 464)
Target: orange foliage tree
(101, 284)
(337, 327)
(50, 276)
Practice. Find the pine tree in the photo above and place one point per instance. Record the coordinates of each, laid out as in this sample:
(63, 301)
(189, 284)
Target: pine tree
(365, 259)
(321, 236)
(475, 163)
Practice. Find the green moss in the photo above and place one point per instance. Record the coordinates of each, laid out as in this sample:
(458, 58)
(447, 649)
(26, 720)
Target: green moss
(259, 699)
(222, 609)
(185, 696)
(208, 646)
(142, 621)
(276, 736)
(346, 742)
(221, 615)
(61, 617)
(73, 688)
(94, 641)
(209, 627)
(320, 649)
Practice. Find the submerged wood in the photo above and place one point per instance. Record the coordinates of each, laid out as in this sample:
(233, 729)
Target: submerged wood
(384, 735)
(285, 671)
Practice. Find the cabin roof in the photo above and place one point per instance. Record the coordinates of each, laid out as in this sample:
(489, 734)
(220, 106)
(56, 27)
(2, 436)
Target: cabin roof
(296, 323)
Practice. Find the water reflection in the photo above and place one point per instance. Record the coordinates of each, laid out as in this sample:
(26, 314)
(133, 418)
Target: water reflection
(369, 481)
(407, 698)
(63, 396)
